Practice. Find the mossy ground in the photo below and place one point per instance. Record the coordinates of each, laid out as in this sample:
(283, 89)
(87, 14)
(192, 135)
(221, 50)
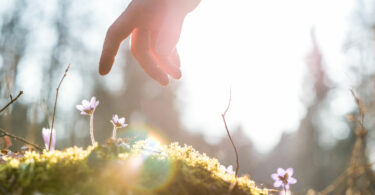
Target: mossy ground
(119, 169)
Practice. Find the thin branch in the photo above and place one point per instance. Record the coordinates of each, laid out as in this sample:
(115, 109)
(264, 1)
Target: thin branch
(20, 139)
(54, 107)
(230, 137)
(11, 101)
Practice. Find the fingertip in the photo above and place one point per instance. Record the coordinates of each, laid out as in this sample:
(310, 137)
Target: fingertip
(177, 74)
(169, 65)
(105, 64)
(164, 84)
(169, 68)
(164, 81)
(103, 71)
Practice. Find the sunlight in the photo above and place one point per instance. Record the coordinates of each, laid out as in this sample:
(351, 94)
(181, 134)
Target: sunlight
(258, 59)
(137, 166)
(92, 100)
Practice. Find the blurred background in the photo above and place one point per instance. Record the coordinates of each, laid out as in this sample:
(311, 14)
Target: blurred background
(290, 66)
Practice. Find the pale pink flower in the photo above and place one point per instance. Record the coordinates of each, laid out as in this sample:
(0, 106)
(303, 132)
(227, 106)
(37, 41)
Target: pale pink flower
(117, 124)
(46, 133)
(88, 108)
(283, 178)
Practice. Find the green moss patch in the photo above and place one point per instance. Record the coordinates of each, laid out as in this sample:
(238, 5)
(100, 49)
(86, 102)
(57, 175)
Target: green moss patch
(119, 169)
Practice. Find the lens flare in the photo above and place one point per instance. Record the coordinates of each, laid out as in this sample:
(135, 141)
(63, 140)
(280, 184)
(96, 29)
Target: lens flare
(152, 169)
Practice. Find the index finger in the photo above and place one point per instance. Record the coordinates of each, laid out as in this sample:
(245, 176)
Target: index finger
(116, 33)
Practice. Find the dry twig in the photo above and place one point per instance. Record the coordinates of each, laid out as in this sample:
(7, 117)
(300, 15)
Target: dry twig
(11, 100)
(54, 107)
(20, 139)
(230, 137)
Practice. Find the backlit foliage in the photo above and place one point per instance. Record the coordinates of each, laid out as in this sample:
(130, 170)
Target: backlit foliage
(114, 169)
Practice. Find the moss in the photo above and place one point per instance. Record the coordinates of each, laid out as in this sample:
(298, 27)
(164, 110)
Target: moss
(118, 169)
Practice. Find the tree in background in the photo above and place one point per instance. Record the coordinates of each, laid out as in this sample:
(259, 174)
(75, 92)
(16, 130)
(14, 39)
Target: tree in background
(36, 44)
(13, 41)
(317, 165)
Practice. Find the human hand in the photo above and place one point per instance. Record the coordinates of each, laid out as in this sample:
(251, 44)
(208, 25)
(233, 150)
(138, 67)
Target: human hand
(155, 26)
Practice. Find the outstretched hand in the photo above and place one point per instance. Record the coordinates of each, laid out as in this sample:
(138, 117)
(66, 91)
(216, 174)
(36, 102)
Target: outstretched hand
(155, 26)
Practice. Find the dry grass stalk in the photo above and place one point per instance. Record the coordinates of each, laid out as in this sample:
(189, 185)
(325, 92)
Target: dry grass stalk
(230, 137)
(54, 107)
(233, 185)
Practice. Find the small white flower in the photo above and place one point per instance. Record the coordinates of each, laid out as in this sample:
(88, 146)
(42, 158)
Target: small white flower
(228, 170)
(87, 108)
(118, 122)
(283, 178)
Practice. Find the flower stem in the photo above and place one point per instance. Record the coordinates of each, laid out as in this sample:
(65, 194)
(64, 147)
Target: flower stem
(92, 129)
(114, 132)
(285, 189)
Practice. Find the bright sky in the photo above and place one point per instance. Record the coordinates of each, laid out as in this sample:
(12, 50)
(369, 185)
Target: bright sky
(257, 48)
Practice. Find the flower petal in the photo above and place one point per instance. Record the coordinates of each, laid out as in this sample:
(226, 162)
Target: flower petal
(292, 180)
(45, 134)
(85, 103)
(277, 184)
(287, 186)
(222, 168)
(275, 176)
(46, 138)
(281, 172)
(80, 107)
(121, 120)
(290, 171)
(93, 100)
